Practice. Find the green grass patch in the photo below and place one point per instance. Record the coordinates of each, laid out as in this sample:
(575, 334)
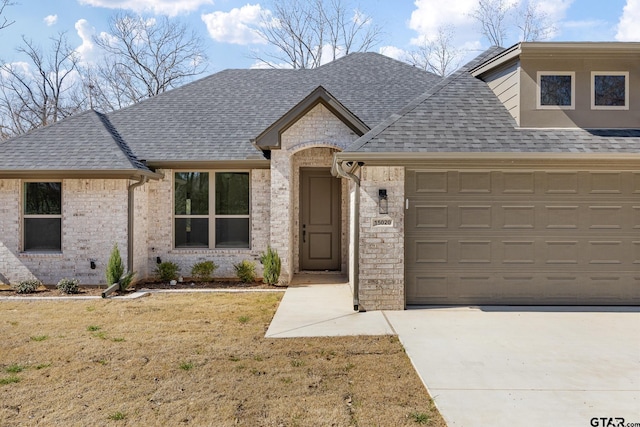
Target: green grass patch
(420, 417)
(9, 380)
(43, 365)
(186, 366)
(243, 319)
(117, 416)
(14, 369)
(93, 328)
(39, 337)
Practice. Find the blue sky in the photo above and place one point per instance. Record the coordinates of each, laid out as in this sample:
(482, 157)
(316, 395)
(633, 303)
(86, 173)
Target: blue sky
(226, 25)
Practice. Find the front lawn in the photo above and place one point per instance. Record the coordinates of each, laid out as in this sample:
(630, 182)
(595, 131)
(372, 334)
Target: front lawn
(195, 359)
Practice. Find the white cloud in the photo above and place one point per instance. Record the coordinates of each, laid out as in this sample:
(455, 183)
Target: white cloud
(432, 14)
(85, 32)
(628, 26)
(394, 52)
(160, 7)
(50, 20)
(237, 26)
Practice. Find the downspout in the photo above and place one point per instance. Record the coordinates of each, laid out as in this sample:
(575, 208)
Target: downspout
(356, 232)
(130, 215)
(130, 211)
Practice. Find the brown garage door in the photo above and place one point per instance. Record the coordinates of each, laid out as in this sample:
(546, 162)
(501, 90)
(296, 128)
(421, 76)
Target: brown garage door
(520, 237)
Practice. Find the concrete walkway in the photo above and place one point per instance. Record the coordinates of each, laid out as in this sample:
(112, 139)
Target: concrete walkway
(321, 305)
(494, 366)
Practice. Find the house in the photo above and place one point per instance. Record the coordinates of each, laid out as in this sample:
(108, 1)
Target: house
(514, 181)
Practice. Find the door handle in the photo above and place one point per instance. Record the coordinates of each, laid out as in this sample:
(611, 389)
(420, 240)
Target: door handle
(304, 233)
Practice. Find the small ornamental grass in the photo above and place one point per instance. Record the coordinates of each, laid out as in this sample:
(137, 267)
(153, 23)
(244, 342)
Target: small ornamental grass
(246, 271)
(272, 265)
(27, 286)
(203, 271)
(68, 286)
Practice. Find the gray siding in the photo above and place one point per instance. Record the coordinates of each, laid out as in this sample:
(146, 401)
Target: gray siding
(505, 83)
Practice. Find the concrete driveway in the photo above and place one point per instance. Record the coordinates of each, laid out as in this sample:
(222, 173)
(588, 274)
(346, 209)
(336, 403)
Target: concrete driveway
(494, 366)
(539, 366)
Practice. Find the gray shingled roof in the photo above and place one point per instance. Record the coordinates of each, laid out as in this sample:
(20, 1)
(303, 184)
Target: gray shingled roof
(215, 118)
(462, 114)
(84, 142)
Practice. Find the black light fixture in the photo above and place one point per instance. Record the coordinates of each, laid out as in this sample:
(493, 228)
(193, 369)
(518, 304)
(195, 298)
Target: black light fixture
(383, 201)
(92, 263)
(158, 260)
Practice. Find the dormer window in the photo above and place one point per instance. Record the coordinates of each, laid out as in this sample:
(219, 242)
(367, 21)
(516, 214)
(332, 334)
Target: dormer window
(556, 90)
(609, 90)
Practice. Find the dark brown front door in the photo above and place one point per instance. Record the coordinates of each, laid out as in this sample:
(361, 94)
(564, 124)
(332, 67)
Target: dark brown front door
(319, 220)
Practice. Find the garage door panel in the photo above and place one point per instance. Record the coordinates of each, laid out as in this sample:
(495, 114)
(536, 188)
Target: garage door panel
(529, 238)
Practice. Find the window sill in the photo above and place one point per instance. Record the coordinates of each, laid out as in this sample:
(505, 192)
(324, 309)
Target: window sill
(40, 254)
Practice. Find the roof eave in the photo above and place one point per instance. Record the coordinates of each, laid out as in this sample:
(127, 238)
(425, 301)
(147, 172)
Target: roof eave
(495, 160)
(77, 174)
(507, 56)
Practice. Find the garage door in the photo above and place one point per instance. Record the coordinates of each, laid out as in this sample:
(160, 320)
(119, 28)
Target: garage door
(521, 237)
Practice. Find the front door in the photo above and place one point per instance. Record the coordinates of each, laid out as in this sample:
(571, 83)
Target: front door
(320, 219)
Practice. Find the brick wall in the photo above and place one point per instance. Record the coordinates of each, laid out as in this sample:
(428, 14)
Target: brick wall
(382, 247)
(94, 217)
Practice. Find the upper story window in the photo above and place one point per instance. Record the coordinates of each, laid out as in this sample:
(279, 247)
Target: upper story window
(205, 218)
(609, 90)
(556, 90)
(42, 217)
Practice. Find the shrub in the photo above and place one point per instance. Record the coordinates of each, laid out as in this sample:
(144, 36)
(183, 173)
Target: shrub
(27, 286)
(115, 269)
(167, 271)
(272, 264)
(68, 286)
(246, 271)
(203, 271)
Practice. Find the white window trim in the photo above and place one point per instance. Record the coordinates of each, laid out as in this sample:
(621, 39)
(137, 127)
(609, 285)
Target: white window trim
(212, 217)
(31, 216)
(539, 106)
(593, 90)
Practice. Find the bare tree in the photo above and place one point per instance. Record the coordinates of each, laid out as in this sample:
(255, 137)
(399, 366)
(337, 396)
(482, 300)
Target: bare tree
(492, 15)
(438, 55)
(4, 22)
(302, 31)
(498, 18)
(534, 24)
(39, 92)
(143, 58)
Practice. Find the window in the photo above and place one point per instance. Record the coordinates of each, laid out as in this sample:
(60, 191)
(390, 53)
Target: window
(556, 90)
(610, 90)
(218, 218)
(42, 216)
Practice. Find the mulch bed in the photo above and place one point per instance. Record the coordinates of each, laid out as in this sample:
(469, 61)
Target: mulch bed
(52, 291)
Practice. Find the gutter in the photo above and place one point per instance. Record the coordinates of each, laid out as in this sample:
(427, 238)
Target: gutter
(339, 170)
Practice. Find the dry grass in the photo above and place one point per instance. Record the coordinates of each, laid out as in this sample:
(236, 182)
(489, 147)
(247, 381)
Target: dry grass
(195, 359)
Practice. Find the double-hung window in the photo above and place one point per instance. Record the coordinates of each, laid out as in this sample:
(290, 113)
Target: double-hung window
(211, 210)
(42, 215)
(609, 90)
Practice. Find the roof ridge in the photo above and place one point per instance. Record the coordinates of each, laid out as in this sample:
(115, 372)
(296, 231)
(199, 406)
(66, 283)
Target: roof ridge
(120, 142)
(414, 103)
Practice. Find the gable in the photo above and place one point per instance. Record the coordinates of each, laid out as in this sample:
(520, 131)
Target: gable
(271, 138)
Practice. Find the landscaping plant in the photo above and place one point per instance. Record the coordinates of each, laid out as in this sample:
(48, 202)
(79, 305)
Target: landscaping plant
(27, 286)
(203, 271)
(272, 264)
(68, 286)
(246, 271)
(167, 271)
(115, 269)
